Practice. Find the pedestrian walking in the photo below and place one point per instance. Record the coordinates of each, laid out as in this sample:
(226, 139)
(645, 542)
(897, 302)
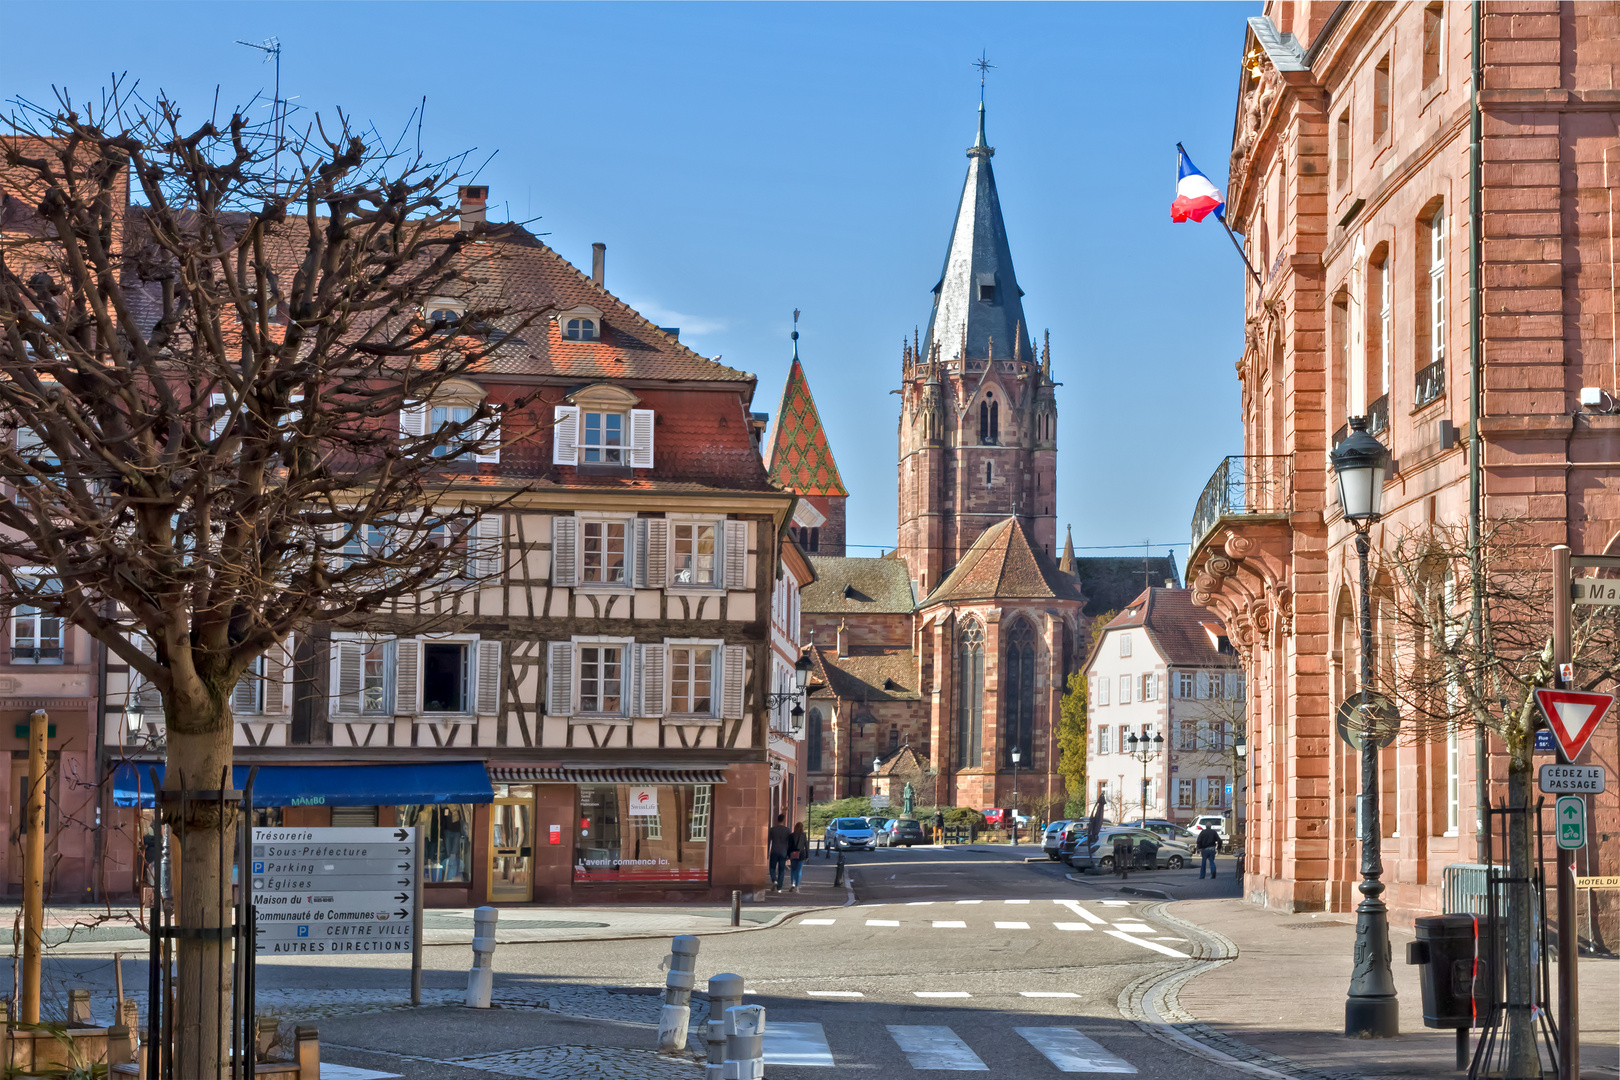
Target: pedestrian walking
(798, 853)
(1209, 842)
(776, 843)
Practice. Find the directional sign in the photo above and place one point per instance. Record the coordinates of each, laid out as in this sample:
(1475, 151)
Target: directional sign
(1544, 741)
(1573, 715)
(1591, 590)
(1572, 779)
(334, 890)
(1368, 710)
(1570, 814)
(1609, 881)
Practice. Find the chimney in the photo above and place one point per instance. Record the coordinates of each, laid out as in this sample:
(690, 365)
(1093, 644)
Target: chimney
(598, 261)
(843, 640)
(473, 201)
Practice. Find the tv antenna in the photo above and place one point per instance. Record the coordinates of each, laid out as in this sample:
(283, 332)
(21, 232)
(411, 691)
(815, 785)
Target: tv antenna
(271, 47)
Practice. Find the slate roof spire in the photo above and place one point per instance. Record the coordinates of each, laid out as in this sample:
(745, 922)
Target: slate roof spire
(1066, 564)
(801, 457)
(978, 297)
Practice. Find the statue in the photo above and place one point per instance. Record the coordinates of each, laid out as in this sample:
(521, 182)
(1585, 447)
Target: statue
(910, 799)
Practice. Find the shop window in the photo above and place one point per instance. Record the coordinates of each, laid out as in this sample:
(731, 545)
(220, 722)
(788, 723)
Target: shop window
(447, 840)
(634, 833)
(444, 677)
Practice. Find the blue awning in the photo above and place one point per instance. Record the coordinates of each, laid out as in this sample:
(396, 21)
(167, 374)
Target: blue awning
(332, 785)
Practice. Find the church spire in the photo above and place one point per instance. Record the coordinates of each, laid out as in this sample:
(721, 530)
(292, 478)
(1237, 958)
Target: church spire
(1066, 564)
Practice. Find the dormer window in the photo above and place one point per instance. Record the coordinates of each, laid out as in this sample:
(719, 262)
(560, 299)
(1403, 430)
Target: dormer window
(603, 438)
(987, 294)
(600, 426)
(443, 313)
(580, 329)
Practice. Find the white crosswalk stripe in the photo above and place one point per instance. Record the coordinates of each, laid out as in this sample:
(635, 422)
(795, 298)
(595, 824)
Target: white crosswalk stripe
(1072, 925)
(949, 924)
(935, 1047)
(1012, 926)
(1072, 1052)
(1154, 945)
(796, 1043)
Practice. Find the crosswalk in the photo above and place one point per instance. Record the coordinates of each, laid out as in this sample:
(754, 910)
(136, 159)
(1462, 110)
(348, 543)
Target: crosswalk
(939, 1047)
(1073, 918)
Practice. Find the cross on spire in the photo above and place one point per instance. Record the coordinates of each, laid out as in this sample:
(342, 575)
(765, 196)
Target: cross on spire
(983, 65)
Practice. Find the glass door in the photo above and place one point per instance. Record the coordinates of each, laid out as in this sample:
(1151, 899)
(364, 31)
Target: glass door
(511, 849)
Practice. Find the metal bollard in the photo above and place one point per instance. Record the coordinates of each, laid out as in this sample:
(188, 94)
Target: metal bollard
(676, 1015)
(745, 1043)
(736, 908)
(838, 874)
(725, 992)
(481, 979)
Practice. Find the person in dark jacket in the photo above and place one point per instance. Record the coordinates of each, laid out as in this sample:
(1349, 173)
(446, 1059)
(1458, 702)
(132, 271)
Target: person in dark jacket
(798, 852)
(1209, 842)
(777, 842)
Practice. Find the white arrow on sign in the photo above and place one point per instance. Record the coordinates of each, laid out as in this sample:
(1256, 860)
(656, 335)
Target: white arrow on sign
(1573, 715)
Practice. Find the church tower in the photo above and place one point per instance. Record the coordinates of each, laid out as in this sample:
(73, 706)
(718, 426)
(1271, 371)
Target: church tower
(978, 418)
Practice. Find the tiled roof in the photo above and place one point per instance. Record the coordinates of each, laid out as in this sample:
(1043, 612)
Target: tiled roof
(1005, 563)
(857, 586)
(1178, 627)
(903, 762)
(1109, 582)
(801, 459)
(889, 676)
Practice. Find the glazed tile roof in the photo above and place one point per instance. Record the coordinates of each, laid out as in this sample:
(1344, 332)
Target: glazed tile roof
(1004, 562)
(1178, 628)
(857, 586)
(801, 458)
(886, 676)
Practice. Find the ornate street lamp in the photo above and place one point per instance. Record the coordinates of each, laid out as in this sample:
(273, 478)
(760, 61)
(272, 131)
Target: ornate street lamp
(1370, 1010)
(1144, 750)
(1016, 755)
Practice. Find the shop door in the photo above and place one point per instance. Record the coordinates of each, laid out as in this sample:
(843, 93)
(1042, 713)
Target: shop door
(511, 850)
(18, 824)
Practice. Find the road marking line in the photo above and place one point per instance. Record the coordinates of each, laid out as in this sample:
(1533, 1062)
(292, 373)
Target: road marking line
(882, 922)
(1072, 925)
(918, 903)
(940, 993)
(1116, 903)
(803, 1044)
(1012, 926)
(835, 993)
(1048, 993)
(818, 922)
(348, 1072)
(1169, 939)
(970, 901)
(1134, 928)
(1154, 945)
(1075, 907)
(928, 1047)
(1072, 1052)
(946, 924)
(1015, 901)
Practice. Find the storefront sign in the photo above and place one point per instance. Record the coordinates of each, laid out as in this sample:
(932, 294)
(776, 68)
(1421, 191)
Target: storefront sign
(325, 891)
(643, 802)
(556, 834)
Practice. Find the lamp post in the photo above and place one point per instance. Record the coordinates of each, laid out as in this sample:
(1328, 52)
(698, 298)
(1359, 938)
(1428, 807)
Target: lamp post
(1144, 750)
(1240, 789)
(1370, 1010)
(1016, 755)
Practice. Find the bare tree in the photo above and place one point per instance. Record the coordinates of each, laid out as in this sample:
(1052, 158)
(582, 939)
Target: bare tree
(206, 393)
(1444, 679)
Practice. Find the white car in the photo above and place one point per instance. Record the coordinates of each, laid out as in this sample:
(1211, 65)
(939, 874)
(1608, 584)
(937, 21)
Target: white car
(1210, 821)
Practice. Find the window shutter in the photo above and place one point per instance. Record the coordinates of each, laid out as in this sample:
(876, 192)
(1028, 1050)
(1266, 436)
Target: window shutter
(407, 675)
(245, 695)
(565, 436)
(489, 678)
(217, 428)
(488, 547)
(736, 554)
(350, 655)
(564, 550)
(657, 553)
(489, 442)
(653, 662)
(278, 678)
(560, 673)
(734, 662)
(413, 418)
(641, 553)
(641, 438)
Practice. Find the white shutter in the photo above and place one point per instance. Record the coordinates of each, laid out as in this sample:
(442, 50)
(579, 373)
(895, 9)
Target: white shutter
(142, 691)
(489, 442)
(489, 547)
(413, 419)
(734, 661)
(560, 679)
(564, 550)
(641, 438)
(654, 661)
(565, 436)
(641, 552)
(407, 676)
(350, 656)
(736, 554)
(489, 678)
(657, 553)
(245, 695)
(217, 427)
(278, 679)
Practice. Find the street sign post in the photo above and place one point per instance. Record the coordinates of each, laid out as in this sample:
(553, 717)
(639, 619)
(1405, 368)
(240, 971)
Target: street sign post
(1604, 592)
(1570, 815)
(1573, 715)
(1572, 779)
(326, 891)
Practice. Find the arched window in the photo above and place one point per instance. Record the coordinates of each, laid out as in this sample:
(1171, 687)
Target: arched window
(995, 421)
(989, 474)
(894, 736)
(813, 742)
(984, 421)
(580, 329)
(1018, 694)
(970, 696)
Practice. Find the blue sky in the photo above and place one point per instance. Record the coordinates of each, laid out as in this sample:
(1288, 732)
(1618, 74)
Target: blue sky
(742, 160)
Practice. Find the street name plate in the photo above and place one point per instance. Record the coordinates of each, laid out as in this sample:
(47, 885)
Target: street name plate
(334, 890)
(1591, 590)
(1610, 881)
(1572, 779)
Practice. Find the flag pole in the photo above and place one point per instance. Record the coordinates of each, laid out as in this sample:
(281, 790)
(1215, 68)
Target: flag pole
(1220, 215)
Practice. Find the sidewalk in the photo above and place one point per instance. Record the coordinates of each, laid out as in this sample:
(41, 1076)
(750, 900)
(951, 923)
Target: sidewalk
(1280, 1003)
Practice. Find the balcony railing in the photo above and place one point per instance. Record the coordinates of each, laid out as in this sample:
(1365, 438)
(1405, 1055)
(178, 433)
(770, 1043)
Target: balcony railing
(1431, 383)
(24, 654)
(1378, 416)
(1244, 486)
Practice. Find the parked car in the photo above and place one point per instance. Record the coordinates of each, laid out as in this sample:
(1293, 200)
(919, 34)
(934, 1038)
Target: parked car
(1166, 828)
(1212, 821)
(901, 831)
(1050, 842)
(848, 834)
(993, 817)
(1072, 833)
(1173, 854)
(876, 821)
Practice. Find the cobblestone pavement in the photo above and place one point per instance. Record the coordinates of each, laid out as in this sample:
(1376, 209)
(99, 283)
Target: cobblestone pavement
(574, 1062)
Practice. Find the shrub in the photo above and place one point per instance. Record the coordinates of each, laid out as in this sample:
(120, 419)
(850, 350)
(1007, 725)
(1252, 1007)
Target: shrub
(822, 813)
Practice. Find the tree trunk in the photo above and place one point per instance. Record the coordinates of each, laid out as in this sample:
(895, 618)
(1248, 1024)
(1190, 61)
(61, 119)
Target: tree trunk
(1523, 1059)
(199, 759)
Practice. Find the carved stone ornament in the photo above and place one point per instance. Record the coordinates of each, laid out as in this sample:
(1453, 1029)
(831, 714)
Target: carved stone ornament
(1237, 546)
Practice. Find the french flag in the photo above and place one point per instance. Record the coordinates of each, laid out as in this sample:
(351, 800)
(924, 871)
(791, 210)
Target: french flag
(1195, 195)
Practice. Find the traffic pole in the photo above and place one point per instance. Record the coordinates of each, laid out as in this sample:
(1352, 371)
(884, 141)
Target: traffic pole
(1569, 1040)
(34, 867)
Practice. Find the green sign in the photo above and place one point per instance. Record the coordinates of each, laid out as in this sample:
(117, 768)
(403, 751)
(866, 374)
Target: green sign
(1570, 814)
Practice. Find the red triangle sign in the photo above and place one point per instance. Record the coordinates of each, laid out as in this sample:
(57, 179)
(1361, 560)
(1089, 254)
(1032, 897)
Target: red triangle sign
(1573, 716)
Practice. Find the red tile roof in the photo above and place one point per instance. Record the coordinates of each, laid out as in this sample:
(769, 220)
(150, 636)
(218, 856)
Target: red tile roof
(1005, 563)
(1178, 628)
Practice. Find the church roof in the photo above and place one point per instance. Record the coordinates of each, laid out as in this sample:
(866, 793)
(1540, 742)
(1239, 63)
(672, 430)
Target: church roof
(857, 585)
(801, 458)
(978, 255)
(885, 676)
(1005, 563)
(1111, 582)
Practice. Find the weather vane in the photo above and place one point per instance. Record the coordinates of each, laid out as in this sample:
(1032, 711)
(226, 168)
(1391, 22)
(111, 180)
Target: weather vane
(984, 65)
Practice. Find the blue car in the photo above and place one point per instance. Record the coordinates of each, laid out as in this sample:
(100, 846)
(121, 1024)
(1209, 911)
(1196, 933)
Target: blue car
(848, 834)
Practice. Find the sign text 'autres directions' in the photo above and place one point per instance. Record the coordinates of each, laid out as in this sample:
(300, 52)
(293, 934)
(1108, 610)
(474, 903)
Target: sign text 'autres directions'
(334, 890)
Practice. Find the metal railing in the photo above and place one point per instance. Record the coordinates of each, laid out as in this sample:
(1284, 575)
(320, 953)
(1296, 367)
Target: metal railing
(1431, 383)
(1244, 486)
(26, 654)
(1462, 889)
(1378, 416)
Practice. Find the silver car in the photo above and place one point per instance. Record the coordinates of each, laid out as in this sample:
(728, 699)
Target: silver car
(848, 834)
(1173, 854)
(1053, 832)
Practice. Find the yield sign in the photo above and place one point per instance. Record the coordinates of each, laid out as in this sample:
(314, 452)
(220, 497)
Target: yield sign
(1573, 716)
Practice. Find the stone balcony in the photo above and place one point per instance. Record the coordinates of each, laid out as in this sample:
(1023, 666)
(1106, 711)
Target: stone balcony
(1244, 490)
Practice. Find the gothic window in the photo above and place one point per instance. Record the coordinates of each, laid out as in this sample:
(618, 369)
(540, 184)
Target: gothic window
(1018, 696)
(894, 736)
(989, 421)
(970, 697)
(989, 474)
(813, 742)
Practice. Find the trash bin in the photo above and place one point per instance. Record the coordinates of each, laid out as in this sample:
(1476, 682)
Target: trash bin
(1148, 855)
(1123, 852)
(1458, 957)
